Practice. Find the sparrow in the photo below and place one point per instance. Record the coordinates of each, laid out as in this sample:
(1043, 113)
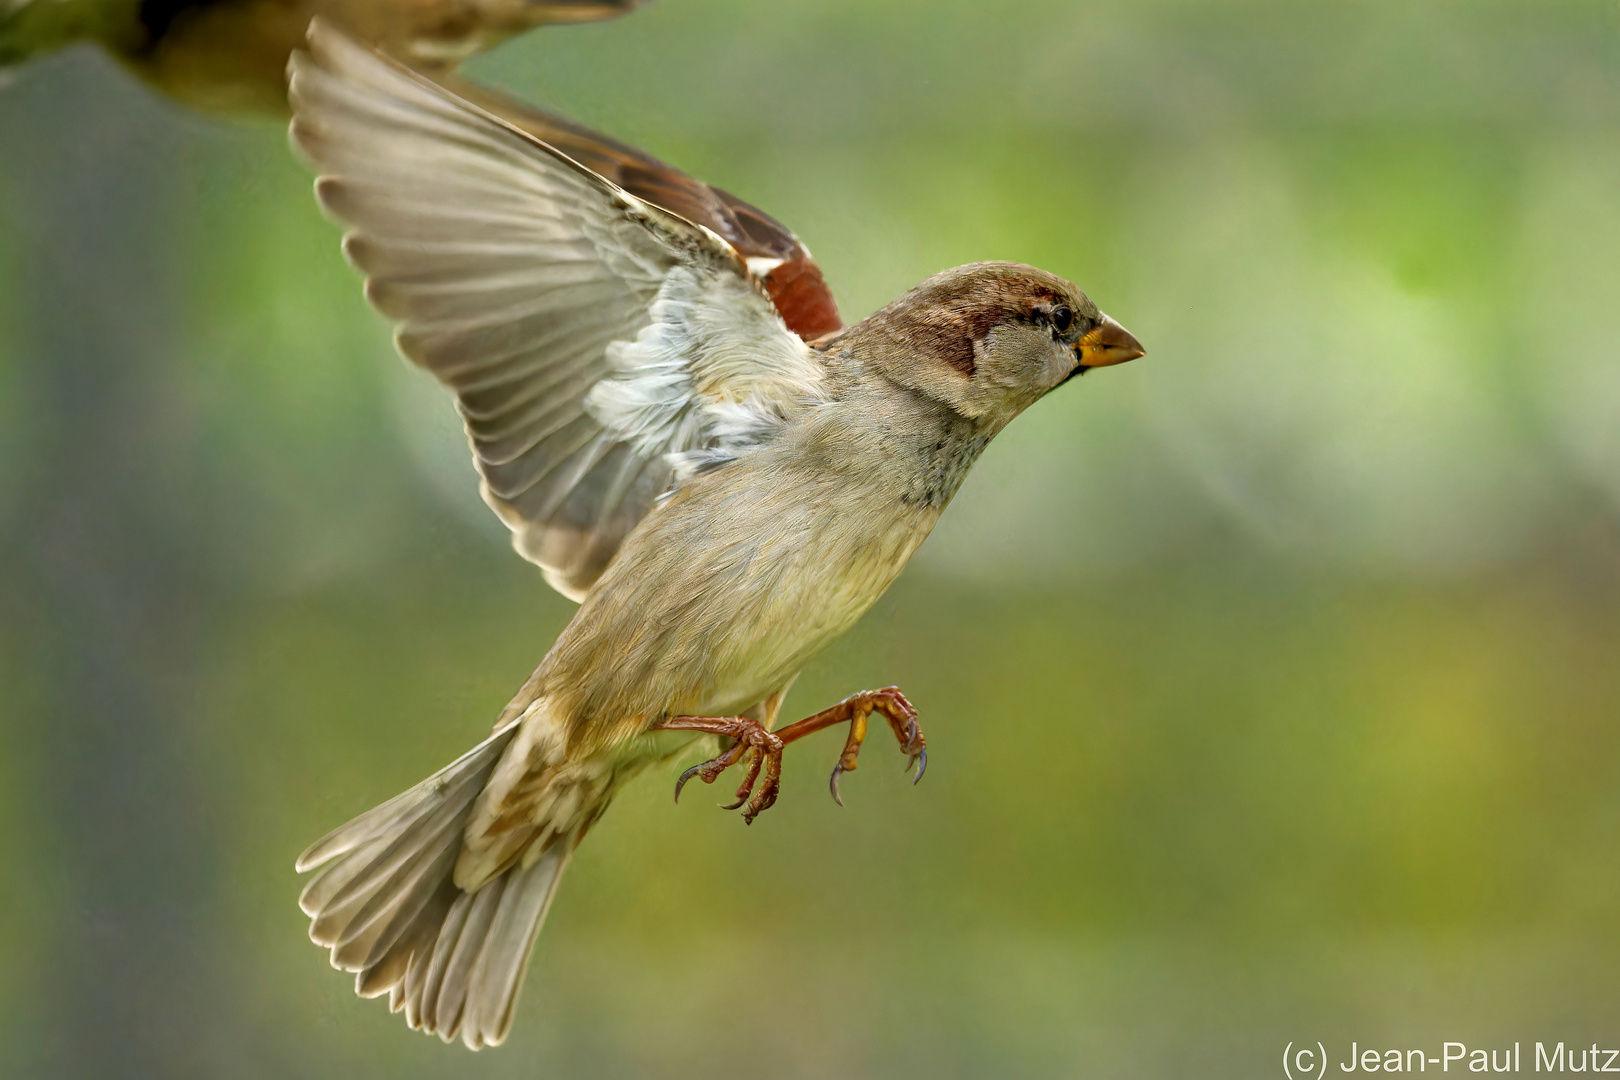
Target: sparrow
(685, 439)
(231, 55)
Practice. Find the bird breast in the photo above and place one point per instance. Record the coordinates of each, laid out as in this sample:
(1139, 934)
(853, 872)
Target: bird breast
(725, 592)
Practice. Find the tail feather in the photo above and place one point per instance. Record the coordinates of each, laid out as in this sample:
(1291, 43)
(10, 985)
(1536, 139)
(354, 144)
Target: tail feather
(330, 879)
(417, 842)
(389, 972)
(385, 904)
(389, 879)
(426, 1014)
(391, 890)
(377, 823)
(451, 998)
(392, 911)
(493, 988)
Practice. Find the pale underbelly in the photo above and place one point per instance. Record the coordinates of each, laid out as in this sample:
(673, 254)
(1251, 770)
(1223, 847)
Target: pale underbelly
(721, 600)
(793, 624)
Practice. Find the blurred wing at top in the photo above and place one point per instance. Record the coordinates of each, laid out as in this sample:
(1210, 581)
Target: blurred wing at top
(231, 55)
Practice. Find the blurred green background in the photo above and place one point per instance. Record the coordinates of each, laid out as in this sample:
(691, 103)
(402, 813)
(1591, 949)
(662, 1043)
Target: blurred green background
(1272, 682)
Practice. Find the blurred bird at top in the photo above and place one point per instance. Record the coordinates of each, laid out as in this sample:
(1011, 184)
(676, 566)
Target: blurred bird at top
(231, 55)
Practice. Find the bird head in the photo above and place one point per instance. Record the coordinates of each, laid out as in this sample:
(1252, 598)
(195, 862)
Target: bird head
(990, 339)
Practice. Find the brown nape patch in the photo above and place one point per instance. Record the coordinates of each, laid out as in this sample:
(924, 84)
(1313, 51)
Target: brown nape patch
(951, 339)
(946, 316)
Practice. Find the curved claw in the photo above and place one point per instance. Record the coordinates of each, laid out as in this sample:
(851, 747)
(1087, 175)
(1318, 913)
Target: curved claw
(746, 789)
(760, 803)
(919, 759)
(685, 776)
(832, 783)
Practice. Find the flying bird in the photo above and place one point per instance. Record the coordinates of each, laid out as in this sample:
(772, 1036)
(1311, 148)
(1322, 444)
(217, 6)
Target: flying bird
(667, 412)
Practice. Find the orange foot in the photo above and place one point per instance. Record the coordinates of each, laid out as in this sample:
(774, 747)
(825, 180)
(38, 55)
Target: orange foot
(764, 748)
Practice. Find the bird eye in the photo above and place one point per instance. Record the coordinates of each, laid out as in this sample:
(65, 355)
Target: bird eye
(1062, 319)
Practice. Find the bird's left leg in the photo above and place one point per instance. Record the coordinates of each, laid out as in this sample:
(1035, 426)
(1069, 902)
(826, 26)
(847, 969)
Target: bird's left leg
(892, 704)
(764, 748)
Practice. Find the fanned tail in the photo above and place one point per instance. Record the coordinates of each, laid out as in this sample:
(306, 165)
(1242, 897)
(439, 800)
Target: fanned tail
(387, 907)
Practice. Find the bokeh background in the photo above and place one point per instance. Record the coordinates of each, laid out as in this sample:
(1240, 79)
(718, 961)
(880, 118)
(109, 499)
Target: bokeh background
(1272, 682)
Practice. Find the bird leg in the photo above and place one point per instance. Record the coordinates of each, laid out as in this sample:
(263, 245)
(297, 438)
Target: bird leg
(764, 748)
(894, 707)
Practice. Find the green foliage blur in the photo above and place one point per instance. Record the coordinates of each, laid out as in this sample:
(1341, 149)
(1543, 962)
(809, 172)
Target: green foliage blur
(1271, 682)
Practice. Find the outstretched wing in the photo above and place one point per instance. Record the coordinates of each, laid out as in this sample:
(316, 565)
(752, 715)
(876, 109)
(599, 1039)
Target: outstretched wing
(774, 254)
(595, 342)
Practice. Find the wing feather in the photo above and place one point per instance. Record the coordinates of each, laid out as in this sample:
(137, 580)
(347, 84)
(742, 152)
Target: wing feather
(785, 267)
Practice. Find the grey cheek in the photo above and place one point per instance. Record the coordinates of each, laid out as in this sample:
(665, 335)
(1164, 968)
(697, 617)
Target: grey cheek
(1058, 367)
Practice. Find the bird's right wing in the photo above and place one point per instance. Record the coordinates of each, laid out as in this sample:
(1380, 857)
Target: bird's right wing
(778, 258)
(593, 340)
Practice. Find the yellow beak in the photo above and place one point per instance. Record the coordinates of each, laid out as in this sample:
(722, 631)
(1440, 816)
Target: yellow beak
(1108, 343)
